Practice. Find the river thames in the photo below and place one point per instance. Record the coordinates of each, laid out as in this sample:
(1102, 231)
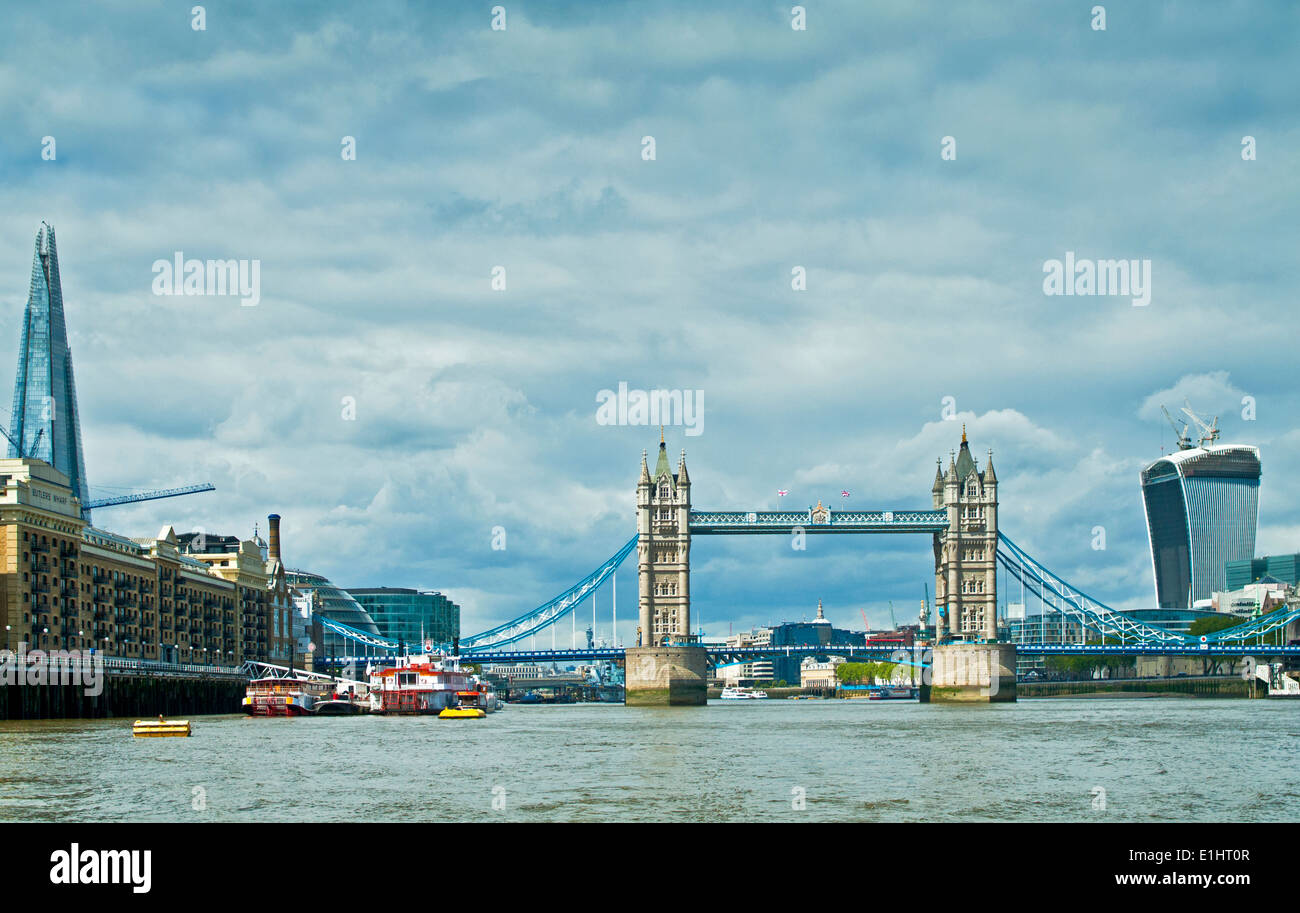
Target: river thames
(1063, 759)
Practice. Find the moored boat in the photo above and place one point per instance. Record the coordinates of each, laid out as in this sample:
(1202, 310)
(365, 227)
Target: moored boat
(903, 692)
(280, 697)
(739, 693)
(421, 684)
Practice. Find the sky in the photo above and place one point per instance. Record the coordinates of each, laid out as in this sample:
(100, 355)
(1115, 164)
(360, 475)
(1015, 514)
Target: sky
(395, 407)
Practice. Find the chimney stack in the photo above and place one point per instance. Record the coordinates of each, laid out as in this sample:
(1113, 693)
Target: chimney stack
(273, 537)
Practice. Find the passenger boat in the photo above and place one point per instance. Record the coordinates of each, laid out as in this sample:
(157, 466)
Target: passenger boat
(738, 693)
(420, 684)
(281, 696)
(891, 694)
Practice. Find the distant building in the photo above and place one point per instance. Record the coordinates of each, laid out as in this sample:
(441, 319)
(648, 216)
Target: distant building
(755, 670)
(1202, 508)
(1259, 598)
(1179, 621)
(815, 675)
(816, 633)
(516, 672)
(411, 616)
(337, 605)
(1285, 568)
(1045, 628)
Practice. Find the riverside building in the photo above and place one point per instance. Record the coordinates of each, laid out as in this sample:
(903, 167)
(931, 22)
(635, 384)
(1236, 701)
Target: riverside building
(65, 584)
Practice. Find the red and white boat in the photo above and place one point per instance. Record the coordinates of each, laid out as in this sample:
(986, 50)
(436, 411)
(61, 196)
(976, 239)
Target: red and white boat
(420, 684)
(280, 696)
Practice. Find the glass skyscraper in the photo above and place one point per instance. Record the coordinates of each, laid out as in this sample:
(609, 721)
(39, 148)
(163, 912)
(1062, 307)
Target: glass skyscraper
(45, 421)
(411, 616)
(1202, 507)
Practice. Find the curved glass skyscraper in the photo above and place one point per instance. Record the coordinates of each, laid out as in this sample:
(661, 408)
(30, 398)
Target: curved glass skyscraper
(338, 605)
(1202, 507)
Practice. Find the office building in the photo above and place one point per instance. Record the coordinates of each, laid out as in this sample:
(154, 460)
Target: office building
(1285, 568)
(413, 617)
(818, 632)
(45, 424)
(336, 604)
(1202, 506)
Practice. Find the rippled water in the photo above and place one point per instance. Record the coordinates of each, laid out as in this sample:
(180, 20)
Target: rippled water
(1043, 759)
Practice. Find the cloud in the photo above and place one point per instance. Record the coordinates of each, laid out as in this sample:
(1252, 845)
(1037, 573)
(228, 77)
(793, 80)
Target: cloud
(776, 149)
(1208, 395)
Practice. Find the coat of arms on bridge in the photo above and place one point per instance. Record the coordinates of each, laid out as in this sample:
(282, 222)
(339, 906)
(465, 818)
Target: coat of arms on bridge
(819, 514)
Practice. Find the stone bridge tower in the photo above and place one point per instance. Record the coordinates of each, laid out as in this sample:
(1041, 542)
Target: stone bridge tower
(965, 554)
(663, 517)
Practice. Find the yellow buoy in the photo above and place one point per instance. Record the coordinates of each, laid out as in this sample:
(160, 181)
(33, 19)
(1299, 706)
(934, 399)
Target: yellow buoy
(161, 727)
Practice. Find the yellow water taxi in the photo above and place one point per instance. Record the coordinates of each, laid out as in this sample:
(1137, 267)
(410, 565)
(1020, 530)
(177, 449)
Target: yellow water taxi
(461, 713)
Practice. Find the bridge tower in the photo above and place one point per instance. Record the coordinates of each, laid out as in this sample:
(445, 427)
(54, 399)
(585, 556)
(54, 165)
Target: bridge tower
(664, 668)
(663, 511)
(965, 554)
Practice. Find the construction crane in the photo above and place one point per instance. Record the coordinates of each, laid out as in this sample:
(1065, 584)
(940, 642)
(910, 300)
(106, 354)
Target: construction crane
(17, 445)
(1209, 431)
(1184, 443)
(134, 497)
(154, 495)
(865, 626)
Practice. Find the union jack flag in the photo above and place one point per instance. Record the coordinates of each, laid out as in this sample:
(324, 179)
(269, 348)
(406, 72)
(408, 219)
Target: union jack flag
(844, 493)
(782, 492)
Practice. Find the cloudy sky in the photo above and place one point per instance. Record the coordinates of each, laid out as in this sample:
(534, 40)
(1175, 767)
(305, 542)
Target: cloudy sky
(774, 148)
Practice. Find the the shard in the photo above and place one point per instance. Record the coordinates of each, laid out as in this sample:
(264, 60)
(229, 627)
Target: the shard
(45, 423)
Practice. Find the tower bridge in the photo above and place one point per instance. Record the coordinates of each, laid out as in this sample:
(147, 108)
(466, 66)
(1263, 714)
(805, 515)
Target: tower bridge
(962, 521)
(669, 665)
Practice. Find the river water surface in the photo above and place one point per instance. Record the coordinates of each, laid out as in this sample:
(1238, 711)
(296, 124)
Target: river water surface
(1065, 759)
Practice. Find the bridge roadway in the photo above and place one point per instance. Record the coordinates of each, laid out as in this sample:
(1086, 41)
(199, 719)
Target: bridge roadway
(720, 654)
(732, 522)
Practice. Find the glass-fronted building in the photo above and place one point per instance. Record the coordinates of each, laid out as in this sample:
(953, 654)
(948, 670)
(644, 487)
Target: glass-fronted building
(45, 420)
(411, 616)
(337, 605)
(1202, 507)
(1285, 568)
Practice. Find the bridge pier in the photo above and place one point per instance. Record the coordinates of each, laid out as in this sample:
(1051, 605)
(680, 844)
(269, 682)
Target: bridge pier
(666, 676)
(971, 673)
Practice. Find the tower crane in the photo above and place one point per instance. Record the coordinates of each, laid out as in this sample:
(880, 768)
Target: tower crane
(1209, 431)
(17, 445)
(1184, 443)
(91, 504)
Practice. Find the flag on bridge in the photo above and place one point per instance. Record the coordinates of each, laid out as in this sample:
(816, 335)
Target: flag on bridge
(844, 493)
(781, 492)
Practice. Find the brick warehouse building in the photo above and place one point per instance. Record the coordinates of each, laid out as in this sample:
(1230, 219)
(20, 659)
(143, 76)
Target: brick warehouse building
(66, 585)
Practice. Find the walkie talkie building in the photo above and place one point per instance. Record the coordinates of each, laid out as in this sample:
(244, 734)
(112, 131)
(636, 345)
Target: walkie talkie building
(1202, 506)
